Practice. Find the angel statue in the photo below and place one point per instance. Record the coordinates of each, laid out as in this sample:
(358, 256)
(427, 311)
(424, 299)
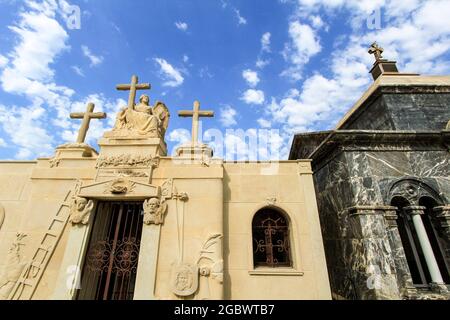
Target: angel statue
(154, 211)
(143, 119)
(80, 210)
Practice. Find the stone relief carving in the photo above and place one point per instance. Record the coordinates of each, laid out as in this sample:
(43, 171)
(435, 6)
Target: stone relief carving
(182, 196)
(2, 215)
(166, 189)
(54, 162)
(210, 264)
(412, 190)
(80, 210)
(127, 160)
(154, 211)
(271, 201)
(120, 186)
(184, 279)
(130, 173)
(13, 269)
(142, 120)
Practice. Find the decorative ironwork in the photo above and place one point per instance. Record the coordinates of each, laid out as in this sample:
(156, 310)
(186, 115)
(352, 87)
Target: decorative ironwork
(271, 246)
(127, 255)
(112, 258)
(98, 256)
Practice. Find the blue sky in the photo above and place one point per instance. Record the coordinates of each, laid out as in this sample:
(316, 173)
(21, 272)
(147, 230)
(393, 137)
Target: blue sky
(267, 68)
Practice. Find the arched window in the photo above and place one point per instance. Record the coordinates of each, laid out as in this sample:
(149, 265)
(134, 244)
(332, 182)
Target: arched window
(271, 246)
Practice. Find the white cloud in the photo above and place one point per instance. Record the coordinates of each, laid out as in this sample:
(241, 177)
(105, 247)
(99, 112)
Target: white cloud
(26, 130)
(316, 21)
(172, 76)
(264, 123)
(185, 58)
(228, 116)
(40, 40)
(179, 137)
(2, 143)
(183, 26)
(35, 128)
(251, 77)
(265, 42)
(261, 63)
(95, 60)
(3, 61)
(78, 70)
(241, 19)
(252, 96)
(304, 44)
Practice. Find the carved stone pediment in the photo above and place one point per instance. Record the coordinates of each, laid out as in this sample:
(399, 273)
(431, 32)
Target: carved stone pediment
(120, 188)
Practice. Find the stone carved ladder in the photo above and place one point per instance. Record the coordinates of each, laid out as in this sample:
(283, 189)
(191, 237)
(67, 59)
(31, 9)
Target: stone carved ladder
(32, 274)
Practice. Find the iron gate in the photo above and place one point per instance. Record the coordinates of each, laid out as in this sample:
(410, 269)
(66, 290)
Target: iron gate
(110, 266)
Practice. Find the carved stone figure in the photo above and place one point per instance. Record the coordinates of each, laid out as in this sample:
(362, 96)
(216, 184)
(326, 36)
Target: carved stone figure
(80, 210)
(154, 211)
(143, 120)
(120, 186)
(184, 279)
(13, 269)
(210, 264)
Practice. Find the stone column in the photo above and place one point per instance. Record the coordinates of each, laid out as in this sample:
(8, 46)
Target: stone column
(404, 278)
(430, 259)
(442, 216)
(442, 222)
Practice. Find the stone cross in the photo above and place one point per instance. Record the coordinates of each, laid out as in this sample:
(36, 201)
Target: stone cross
(376, 50)
(133, 87)
(195, 114)
(86, 116)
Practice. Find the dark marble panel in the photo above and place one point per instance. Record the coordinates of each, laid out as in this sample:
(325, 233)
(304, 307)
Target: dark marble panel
(339, 195)
(363, 254)
(430, 164)
(365, 191)
(374, 117)
(444, 188)
(366, 226)
(372, 268)
(418, 111)
(338, 169)
(357, 163)
(389, 164)
(321, 178)
(328, 217)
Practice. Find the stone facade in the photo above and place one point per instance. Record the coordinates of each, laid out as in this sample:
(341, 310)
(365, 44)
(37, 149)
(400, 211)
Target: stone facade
(196, 240)
(392, 145)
